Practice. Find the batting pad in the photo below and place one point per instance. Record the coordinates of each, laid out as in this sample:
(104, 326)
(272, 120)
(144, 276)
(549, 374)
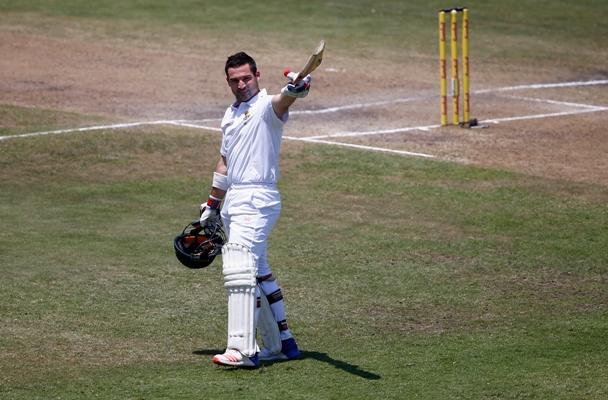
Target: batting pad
(239, 268)
(269, 330)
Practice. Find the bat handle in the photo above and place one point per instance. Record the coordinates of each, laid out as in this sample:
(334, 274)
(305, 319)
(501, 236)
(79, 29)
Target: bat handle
(294, 76)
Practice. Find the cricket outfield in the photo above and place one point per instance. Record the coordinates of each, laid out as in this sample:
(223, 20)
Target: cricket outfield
(416, 261)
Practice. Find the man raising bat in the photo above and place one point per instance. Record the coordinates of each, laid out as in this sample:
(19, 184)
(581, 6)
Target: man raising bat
(245, 179)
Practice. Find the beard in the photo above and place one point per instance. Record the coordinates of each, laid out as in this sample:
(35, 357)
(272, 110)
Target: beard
(246, 94)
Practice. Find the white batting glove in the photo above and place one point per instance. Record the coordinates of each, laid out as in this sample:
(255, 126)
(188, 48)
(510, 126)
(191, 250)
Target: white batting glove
(210, 211)
(208, 215)
(299, 89)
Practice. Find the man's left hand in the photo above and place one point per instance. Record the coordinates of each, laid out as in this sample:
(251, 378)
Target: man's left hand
(298, 90)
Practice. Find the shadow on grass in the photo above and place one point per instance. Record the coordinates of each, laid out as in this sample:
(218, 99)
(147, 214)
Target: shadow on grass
(208, 352)
(311, 355)
(344, 366)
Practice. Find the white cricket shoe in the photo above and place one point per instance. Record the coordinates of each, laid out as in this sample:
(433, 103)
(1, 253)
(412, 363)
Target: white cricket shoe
(234, 358)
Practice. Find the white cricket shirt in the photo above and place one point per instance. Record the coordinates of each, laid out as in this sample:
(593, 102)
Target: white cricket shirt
(251, 141)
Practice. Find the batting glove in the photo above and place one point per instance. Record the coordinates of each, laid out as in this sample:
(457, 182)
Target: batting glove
(210, 211)
(298, 90)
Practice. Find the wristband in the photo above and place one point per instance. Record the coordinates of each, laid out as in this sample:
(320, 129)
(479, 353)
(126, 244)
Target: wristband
(213, 202)
(220, 181)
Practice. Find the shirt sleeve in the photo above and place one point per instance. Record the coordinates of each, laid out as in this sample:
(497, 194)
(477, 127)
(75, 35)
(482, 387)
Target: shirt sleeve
(223, 149)
(271, 117)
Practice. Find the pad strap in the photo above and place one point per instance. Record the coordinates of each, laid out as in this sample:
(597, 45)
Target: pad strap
(275, 296)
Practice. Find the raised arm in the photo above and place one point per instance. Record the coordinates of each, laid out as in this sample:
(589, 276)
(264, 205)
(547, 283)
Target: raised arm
(282, 101)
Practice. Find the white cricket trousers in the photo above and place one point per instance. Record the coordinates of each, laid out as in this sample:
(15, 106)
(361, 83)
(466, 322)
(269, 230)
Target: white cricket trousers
(249, 214)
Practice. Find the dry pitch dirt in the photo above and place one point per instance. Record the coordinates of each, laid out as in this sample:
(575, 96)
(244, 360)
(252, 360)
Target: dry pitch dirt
(142, 81)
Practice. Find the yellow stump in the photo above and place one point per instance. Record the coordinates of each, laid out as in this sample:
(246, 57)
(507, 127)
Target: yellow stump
(443, 102)
(454, 71)
(465, 66)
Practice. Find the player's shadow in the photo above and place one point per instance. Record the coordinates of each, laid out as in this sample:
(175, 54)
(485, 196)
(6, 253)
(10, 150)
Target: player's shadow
(343, 365)
(313, 355)
(208, 352)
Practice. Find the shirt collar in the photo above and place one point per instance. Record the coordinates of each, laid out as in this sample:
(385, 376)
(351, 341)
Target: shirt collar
(251, 101)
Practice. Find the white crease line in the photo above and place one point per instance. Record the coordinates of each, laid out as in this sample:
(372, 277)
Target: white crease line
(430, 127)
(424, 128)
(548, 101)
(85, 129)
(314, 140)
(543, 86)
(188, 125)
(409, 99)
(352, 106)
(360, 105)
(360, 147)
(540, 116)
(192, 121)
(340, 108)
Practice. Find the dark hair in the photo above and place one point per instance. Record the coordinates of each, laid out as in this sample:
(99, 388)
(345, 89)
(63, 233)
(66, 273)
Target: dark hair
(238, 59)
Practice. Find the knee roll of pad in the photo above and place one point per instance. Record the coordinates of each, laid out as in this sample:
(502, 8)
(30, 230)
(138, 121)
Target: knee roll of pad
(238, 266)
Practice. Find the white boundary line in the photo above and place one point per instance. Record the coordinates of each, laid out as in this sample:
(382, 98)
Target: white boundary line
(320, 139)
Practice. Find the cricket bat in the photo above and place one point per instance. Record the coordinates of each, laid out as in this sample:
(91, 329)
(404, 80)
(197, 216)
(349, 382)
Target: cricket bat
(313, 62)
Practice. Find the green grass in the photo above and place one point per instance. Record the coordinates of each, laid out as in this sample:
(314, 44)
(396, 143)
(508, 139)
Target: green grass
(506, 31)
(19, 120)
(449, 281)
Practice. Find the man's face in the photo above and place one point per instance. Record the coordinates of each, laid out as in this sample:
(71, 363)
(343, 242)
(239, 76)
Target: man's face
(243, 82)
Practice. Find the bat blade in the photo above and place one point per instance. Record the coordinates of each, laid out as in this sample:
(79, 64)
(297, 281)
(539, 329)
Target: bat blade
(313, 62)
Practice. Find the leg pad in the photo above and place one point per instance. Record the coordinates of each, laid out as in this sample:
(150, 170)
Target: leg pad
(239, 268)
